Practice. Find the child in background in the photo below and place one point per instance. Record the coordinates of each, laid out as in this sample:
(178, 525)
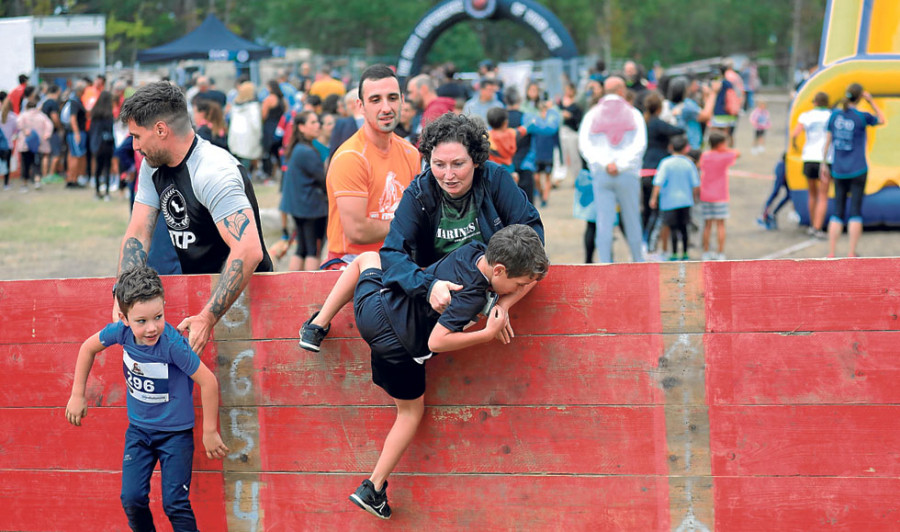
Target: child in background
(503, 139)
(675, 186)
(714, 165)
(160, 369)
(403, 332)
(769, 218)
(761, 122)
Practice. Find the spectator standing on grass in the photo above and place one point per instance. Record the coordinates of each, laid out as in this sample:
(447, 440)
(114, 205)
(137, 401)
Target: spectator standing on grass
(8, 130)
(814, 124)
(102, 142)
(714, 197)
(35, 130)
(847, 132)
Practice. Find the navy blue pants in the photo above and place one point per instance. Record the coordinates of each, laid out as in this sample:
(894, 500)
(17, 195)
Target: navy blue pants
(175, 453)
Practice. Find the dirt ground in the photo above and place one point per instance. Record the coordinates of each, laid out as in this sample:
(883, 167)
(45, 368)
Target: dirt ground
(60, 233)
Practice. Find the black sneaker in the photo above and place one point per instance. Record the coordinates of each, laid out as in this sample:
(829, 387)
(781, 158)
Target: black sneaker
(311, 336)
(374, 502)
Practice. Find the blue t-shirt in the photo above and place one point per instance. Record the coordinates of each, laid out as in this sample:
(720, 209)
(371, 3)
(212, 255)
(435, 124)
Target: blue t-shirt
(412, 319)
(676, 178)
(160, 390)
(848, 136)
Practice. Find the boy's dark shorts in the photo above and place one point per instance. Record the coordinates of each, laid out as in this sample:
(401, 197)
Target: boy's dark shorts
(393, 367)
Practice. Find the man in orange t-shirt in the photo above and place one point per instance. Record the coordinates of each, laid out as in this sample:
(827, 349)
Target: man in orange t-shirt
(370, 171)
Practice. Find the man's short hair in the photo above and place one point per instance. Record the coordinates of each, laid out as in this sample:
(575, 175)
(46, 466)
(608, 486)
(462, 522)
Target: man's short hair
(423, 80)
(159, 101)
(496, 117)
(519, 248)
(375, 73)
(451, 127)
(137, 284)
(489, 81)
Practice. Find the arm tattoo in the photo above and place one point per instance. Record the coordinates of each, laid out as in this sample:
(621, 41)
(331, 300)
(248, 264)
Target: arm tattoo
(133, 254)
(228, 289)
(236, 223)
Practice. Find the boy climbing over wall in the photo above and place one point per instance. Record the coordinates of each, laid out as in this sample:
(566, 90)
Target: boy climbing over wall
(404, 332)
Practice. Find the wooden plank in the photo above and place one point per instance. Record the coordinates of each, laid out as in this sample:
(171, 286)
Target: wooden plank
(574, 370)
(791, 296)
(833, 440)
(33, 436)
(571, 299)
(565, 439)
(27, 369)
(76, 501)
(468, 502)
(71, 310)
(818, 368)
(801, 504)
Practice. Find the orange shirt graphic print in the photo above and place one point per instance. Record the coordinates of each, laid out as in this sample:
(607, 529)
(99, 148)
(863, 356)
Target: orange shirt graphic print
(390, 197)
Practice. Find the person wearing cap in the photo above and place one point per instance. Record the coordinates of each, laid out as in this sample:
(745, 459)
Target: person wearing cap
(485, 100)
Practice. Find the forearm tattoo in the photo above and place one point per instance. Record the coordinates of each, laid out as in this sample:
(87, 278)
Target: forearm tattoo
(133, 254)
(236, 224)
(228, 289)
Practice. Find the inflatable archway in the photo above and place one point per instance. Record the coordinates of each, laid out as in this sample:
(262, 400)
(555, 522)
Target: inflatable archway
(537, 18)
(861, 44)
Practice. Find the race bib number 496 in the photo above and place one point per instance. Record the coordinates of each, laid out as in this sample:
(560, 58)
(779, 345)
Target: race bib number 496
(147, 382)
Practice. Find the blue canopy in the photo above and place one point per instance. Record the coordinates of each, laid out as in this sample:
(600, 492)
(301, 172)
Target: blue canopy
(210, 40)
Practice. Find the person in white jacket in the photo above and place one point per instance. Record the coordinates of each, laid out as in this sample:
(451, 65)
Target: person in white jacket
(245, 129)
(612, 139)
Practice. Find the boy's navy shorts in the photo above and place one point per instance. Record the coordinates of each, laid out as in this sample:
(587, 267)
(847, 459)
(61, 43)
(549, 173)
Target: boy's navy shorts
(393, 367)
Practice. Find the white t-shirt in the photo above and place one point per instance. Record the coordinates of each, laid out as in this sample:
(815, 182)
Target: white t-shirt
(814, 122)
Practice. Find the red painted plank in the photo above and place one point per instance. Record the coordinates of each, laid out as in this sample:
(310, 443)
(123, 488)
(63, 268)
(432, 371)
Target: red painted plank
(576, 440)
(27, 369)
(469, 502)
(571, 299)
(71, 310)
(759, 296)
(574, 370)
(77, 501)
(41, 438)
(837, 440)
(801, 504)
(818, 368)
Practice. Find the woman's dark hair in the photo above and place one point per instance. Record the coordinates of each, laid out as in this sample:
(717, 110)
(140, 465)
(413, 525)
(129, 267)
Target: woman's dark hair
(275, 88)
(214, 116)
(678, 87)
(103, 109)
(298, 138)
(330, 105)
(853, 94)
(451, 127)
(652, 105)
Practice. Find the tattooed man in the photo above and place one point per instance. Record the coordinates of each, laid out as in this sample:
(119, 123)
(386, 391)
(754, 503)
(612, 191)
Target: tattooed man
(205, 197)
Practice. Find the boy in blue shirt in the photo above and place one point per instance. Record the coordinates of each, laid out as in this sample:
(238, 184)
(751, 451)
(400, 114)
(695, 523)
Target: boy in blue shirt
(160, 369)
(675, 187)
(403, 332)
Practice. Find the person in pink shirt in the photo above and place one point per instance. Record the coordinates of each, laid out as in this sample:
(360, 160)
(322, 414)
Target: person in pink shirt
(714, 166)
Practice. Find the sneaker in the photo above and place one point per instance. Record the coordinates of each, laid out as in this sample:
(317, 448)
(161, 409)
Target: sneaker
(374, 502)
(708, 255)
(720, 256)
(771, 223)
(684, 256)
(811, 231)
(311, 336)
(37, 185)
(673, 257)
(761, 221)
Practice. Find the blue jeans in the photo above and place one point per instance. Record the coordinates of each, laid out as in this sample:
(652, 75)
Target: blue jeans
(624, 189)
(175, 453)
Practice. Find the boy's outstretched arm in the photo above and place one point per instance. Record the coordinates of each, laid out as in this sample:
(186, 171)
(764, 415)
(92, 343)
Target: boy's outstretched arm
(209, 398)
(443, 339)
(76, 409)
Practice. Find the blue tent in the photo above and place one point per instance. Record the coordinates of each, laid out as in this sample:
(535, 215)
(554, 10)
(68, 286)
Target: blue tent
(210, 40)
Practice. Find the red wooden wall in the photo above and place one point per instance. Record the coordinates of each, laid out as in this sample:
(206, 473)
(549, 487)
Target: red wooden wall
(723, 396)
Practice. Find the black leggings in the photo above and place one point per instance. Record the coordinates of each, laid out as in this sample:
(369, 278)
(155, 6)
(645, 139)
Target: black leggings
(30, 161)
(856, 188)
(8, 160)
(309, 232)
(104, 160)
(590, 233)
(678, 221)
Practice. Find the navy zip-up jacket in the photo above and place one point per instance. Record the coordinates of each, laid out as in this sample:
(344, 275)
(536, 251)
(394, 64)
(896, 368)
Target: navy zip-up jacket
(409, 245)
